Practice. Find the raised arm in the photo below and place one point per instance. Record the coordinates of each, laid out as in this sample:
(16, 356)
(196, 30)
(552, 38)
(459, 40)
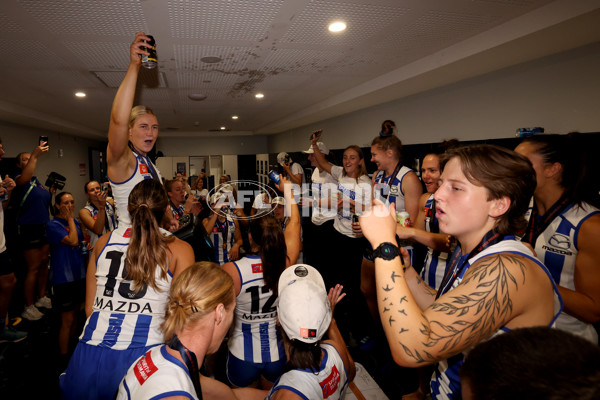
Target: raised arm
(95, 225)
(320, 158)
(118, 155)
(494, 291)
(29, 170)
(292, 229)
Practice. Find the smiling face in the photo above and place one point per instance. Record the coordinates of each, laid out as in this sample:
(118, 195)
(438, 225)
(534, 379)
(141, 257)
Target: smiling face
(430, 172)
(144, 132)
(352, 162)
(177, 193)
(462, 208)
(384, 159)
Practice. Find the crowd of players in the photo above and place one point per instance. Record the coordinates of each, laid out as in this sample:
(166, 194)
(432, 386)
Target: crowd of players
(510, 236)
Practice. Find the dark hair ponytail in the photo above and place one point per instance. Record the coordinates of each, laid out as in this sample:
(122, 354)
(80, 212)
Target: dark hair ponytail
(266, 232)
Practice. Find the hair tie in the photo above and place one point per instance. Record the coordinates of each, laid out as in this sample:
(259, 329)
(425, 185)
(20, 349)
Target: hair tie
(144, 205)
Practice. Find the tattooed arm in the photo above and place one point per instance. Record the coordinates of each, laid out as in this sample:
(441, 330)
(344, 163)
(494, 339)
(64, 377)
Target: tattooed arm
(492, 294)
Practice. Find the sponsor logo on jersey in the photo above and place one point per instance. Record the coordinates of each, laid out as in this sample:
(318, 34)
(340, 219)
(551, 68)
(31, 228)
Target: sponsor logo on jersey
(253, 317)
(143, 169)
(557, 251)
(330, 385)
(257, 268)
(129, 307)
(560, 241)
(127, 233)
(95, 216)
(144, 368)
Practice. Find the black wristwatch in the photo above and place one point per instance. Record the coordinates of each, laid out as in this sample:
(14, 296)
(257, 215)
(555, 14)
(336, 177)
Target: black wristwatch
(387, 251)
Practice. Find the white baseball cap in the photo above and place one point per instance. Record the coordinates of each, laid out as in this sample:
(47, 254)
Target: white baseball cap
(281, 157)
(278, 201)
(304, 311)
(321, 147)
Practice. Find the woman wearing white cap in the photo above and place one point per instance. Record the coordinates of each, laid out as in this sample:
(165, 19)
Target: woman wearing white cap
(319, 369)
(292, 170)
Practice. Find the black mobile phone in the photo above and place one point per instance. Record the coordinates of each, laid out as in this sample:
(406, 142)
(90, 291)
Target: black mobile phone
(42, 140)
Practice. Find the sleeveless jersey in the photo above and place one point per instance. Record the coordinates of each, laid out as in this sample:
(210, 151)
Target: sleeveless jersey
(216, 236)
(557, 248)
(329, 383)
(121, 190)
(445, 382)
(177, 212)
(324, 186)
(391, 192)
(122, 319)
(434, 266)
(255, 337)
(157, 374)
(110, 221)
(349, 189)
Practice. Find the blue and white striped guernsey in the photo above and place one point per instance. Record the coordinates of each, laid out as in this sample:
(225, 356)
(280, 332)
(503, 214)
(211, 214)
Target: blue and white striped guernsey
(255, 337)
(434, 266)
(121, 318)
(445, 382)
(557, 248)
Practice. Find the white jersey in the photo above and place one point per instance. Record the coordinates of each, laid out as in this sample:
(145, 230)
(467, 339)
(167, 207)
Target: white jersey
(445, 382)
(297, 169)
(557, 248)
(110, 222)
(121, 190)
(349, 189)
(324, 186)
(434, 265)
(391, 192)
(222, 236)
(121, 318)
(255, 337)
(329, 383)
(157, 374)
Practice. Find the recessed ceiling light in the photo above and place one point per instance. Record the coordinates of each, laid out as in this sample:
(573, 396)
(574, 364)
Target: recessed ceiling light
(234, 117)
(197, 96)
(259, 95)
(337, 26)
(79, 94)
(223, 128)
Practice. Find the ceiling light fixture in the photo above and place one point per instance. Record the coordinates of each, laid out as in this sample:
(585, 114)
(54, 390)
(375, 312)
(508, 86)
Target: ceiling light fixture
(223, 128)
(259, 95)
(197, 96)
(337, 26)
(234, 117)
(80, 94)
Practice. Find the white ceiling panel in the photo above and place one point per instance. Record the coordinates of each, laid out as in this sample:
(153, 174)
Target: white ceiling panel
(50, 49)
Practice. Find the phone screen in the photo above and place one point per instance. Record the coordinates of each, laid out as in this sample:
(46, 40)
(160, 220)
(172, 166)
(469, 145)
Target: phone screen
(43, 139)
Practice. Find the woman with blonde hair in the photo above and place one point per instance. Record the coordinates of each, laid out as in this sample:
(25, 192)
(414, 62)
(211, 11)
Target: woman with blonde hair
(128, 281)
(197, 317)
(132, 134)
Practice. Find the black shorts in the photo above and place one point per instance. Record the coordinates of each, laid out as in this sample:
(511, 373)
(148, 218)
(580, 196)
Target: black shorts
(5, 264)
(69, 296)
(32, 236)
